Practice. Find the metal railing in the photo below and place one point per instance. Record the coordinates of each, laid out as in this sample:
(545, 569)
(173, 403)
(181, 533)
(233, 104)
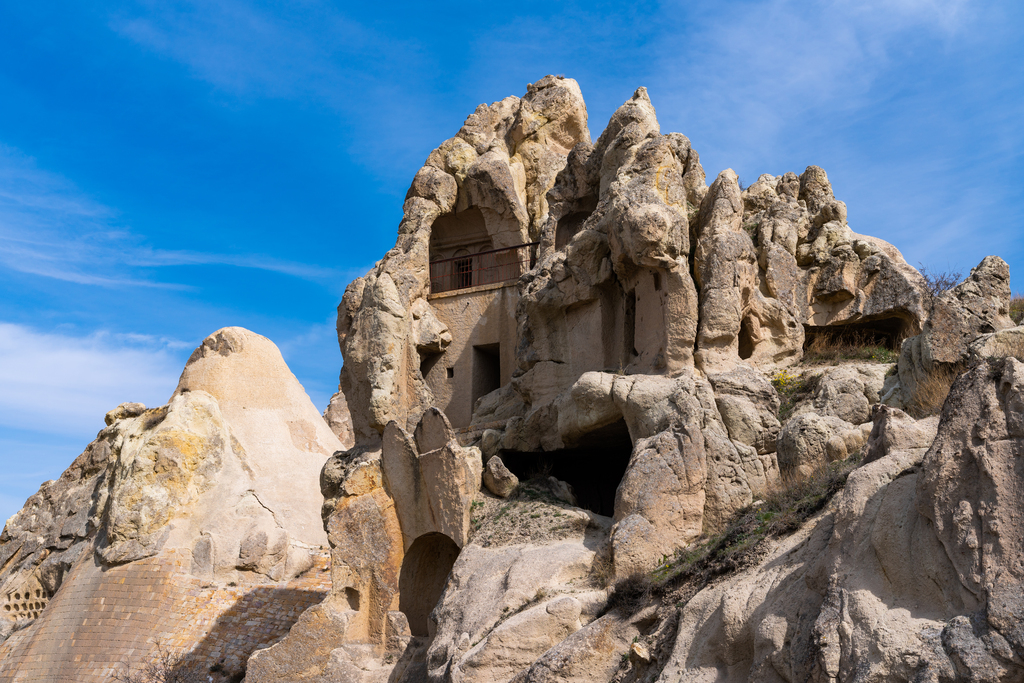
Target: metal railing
(484, 268)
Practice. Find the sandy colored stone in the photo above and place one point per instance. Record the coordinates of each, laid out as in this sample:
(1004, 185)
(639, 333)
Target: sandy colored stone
(482, 635)
(501, 164)
(846, 391)
(172, 503)
(810, 441)
(901, 578)
(976, 307)
(498, 479)
(893, 430)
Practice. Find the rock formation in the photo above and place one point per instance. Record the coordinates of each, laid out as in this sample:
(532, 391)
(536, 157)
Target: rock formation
(911, 574)
(580, 370)
(202, 506)
(647, 292)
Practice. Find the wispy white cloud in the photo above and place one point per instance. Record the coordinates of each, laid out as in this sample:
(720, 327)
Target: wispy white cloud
(308, 52)
(245, 50)
(763, 70)
(313, 354)
(50, 228)
(61, 384)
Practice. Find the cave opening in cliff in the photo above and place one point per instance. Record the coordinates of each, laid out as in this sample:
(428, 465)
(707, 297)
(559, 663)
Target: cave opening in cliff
(845, 339)
(424, 574)
(593, 468)
(568, 226)
(746, 339)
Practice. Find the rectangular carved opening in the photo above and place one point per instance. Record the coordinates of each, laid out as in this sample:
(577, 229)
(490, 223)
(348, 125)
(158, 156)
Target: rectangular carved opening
(486, 370)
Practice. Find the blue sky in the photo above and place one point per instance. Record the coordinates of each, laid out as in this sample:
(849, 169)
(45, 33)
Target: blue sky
(170, 168)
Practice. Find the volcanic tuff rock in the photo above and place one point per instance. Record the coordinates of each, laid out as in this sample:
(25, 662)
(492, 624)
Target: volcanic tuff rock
(977, 306)
(576, 369)
(197, 479)
(502, 163)
(911, 574)
(645, 282)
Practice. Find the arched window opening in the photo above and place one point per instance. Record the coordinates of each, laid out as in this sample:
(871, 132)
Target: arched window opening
(425, 571)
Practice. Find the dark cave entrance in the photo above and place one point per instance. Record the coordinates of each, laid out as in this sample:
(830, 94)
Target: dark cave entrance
(568, 226)
(486, 370)
(886, 332)
(593, 469)
(746, 339)
(424, 574)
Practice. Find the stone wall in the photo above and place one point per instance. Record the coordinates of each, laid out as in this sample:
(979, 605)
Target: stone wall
(482, 323)
(103, 620)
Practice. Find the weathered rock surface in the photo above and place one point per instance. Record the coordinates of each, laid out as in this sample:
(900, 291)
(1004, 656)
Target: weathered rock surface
(500, 164)
(902, 578)
(846, 392)
(977, 306)
(893, 430)
(339, 419)
(498, 479)
(653, 305)
(199, 479)
(644, 277)
(396, 519)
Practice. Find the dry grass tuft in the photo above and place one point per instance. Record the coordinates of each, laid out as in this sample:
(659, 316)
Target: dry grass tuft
(781, 511)
(1006, 345)
(932, 391)
(826, 349)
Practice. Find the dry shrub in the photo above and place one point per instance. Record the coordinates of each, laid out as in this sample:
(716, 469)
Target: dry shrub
(602, 571)
(931, 392)
(939, 282)
(1017, 309)
(798, 493)
(631, 594)
(782, 509)
(167, 667)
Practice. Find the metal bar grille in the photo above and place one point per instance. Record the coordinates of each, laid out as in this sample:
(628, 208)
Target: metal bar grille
(484, 268)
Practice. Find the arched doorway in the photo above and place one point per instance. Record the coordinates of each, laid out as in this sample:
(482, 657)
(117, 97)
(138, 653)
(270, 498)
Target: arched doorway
(425, 571)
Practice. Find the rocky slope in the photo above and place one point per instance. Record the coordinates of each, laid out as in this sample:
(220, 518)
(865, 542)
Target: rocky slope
(607, 422)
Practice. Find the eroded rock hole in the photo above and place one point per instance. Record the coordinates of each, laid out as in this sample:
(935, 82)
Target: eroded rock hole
(352, 596)
(887, 332)
(568, 226)
(425, 571)
(593, 469)
(746, 339)
(427, 361)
